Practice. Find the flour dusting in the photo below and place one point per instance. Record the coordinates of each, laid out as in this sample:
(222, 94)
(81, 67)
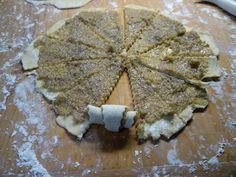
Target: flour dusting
(232, 52)
(31, 141)
(9, 81)
(34, 130)
(172, 155)
(29, 132)
(28, 158)
(113, 3)
(30, 104)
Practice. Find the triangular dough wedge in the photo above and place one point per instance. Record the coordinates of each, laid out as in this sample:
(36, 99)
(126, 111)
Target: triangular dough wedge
(190, 69)
(93, 90)
(190, 44)
(62, 76)
(137, 18)
(71, 105)
(162, 28)
(75, 31)
(162, 98)
(54, 50)
(105, 23)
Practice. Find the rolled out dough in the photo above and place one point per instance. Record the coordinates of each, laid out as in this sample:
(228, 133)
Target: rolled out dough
(79, 62)
(61, 4)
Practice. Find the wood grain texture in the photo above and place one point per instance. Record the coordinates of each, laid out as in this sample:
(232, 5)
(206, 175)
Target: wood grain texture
(114, 152)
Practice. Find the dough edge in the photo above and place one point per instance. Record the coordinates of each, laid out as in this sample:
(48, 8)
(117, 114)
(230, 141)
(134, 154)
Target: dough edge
(137, 7)
(61, 4)
(206, 38)
(168, 126)
(71, 125)
(214, 70)
(31, 56)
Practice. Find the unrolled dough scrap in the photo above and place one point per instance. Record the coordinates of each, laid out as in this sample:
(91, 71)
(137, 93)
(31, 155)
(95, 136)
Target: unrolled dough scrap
(79, 61)
(61, 4)
(169, 125)
(72, 126)
(51, 96)
(31, 57)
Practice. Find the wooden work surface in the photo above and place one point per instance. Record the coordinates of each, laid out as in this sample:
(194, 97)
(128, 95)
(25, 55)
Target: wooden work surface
(102, 153)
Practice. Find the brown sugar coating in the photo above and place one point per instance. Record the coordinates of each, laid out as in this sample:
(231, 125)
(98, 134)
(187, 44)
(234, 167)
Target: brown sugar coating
(136, 20)
(76, 31)
(54, 50)
(162, 28)
(106, 23)
(83, 60)
(186, 68)
(163, 94)
(67, 74)
(189, 44)
(92, 90)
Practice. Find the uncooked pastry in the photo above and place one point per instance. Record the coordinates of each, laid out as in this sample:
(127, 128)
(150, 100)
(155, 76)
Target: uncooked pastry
(61, 4)
(80, 60)
(114, 117)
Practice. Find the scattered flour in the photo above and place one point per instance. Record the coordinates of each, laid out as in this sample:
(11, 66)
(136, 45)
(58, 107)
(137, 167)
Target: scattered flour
(85, 172)
(192, 168)
(27, 158)
(113, 3)
(202, 20)
(176, 8)
(172, 155)
(136, 153)
(31, 130)
(35, 113)
(233, 36)
(202, 138)
(9, 81)
(206, 10)
(76, 164)
(213, 161)
(232, 52)
(147, 150)
(39, 10)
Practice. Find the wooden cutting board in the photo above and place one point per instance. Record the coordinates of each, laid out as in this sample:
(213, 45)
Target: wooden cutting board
(103, 153)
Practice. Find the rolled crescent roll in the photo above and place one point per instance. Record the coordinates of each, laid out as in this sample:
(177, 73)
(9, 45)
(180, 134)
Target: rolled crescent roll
(113, 117)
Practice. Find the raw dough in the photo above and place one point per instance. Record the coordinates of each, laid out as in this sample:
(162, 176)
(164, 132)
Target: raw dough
(79, 61)
(114, 117)
(61, 4)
